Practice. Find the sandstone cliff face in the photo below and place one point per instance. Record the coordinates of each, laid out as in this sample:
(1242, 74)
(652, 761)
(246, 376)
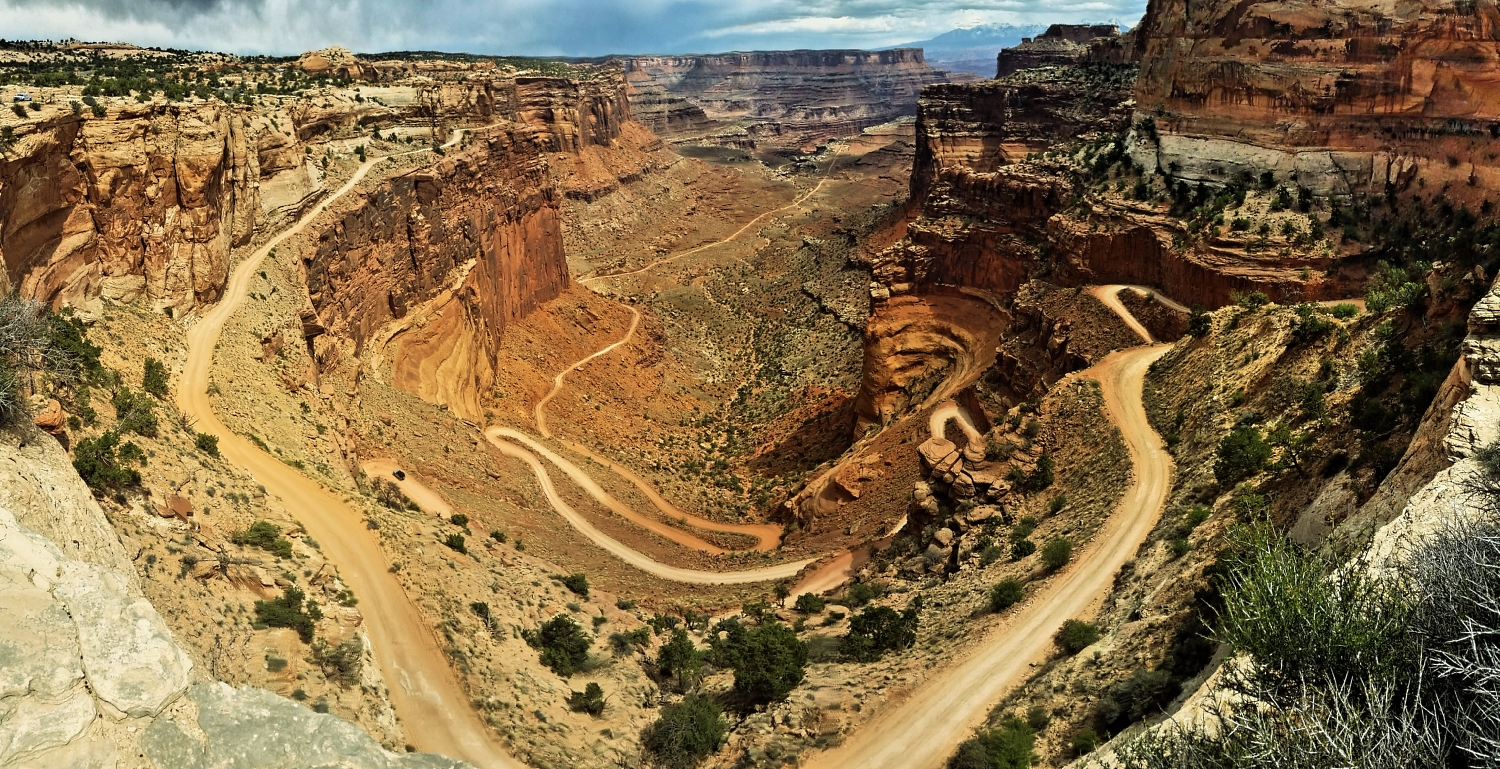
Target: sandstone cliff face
(456, 252)
(775, 97)
(572, 114)
(1347, 96)
(148, 202)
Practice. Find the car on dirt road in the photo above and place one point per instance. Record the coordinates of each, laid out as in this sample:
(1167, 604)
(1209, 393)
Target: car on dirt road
(399, 473)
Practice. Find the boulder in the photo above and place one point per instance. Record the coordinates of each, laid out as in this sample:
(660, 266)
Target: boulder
(963, 486)
(944, 536)
(51, 418)
(937, 453)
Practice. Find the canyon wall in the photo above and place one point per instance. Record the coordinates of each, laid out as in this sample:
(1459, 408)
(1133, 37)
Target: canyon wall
(148, 201)
(787, 98)
(1343, 96)
(455, 251)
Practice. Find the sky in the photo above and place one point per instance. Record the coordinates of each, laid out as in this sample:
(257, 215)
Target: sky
(531, 27)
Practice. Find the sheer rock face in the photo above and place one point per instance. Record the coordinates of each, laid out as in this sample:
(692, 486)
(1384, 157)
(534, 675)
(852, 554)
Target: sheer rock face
(147, 201)
(786, 98)
(430, 266)
(1350, 96)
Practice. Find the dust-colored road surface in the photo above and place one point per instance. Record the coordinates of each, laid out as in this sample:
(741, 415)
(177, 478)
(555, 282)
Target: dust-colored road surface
(737, 233)
(415, 490)
(1110, 297)
(922, 731)
(501, 437)
(434, 710)
(937, 424)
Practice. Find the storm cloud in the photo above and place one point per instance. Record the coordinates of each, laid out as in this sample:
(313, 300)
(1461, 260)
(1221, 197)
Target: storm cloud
(534, 27)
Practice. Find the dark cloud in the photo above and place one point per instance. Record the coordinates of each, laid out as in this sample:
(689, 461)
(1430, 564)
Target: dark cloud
(545, 27)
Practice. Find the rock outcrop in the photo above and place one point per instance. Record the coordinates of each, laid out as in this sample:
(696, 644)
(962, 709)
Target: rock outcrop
(90, 675)
(785, 98)
(1061, 45)
(145, 202)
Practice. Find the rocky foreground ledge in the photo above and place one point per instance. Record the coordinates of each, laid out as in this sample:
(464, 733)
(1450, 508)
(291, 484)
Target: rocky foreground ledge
(91, 677)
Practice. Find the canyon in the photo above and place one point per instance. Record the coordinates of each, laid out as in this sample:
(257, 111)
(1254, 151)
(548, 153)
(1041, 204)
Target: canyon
(774, 98)
(671, 349)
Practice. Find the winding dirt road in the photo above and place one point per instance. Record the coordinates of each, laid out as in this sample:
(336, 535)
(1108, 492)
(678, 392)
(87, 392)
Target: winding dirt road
(434, 710)
(921, 731)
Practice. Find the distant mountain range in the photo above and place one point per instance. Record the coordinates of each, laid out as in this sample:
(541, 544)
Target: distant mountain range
(974, 49)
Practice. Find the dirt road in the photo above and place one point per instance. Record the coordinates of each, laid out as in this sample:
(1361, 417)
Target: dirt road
(501, 437)
(434, 710)
(921, 731)
(427, 499)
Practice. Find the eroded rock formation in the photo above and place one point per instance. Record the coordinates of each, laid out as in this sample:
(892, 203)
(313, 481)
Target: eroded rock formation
(1060, 45)
(89, 672)
(785, 98)
(148, 201)
(455, 251)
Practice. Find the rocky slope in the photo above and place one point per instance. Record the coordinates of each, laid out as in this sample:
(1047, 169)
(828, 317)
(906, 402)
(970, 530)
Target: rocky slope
(778, 98)
(1060, 45)
(93, 676)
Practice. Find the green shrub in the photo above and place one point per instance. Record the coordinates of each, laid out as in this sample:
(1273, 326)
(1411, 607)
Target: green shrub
(341, 663)
(19, 110)
(1281, 608)
(1252, 301)
(1012, 746)
(1021, 549)
(1056, 505)
(861, 593)
(563, 645)
(455, 542)
(577, 583)
(136, 413)
(1180, 546)
(809, 603)
(1241, 454)
(97, 464)
(1076, 635)
(1023, 528)
(154, 381)
(291, 610)
(1084, 742)
(266, 536)
(1344, 311)
(590, 700)
(1057, 552)
(208, 444)
(459, 519)
(1041, 476)
(768, 660)
(1037, 717)
(877, 630)
(1200, 323)
(499, 536)
(685, 733)
(1141, 695)
(679, 660)
(1005, 594)
(622, 644)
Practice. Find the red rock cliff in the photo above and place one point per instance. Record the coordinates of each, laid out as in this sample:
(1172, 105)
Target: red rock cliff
(144, 202)
(1348, 96)
(454, 252)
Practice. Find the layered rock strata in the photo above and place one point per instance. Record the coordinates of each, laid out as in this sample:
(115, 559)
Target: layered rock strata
(432, 265)
(786, 98)
(1343, 97)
